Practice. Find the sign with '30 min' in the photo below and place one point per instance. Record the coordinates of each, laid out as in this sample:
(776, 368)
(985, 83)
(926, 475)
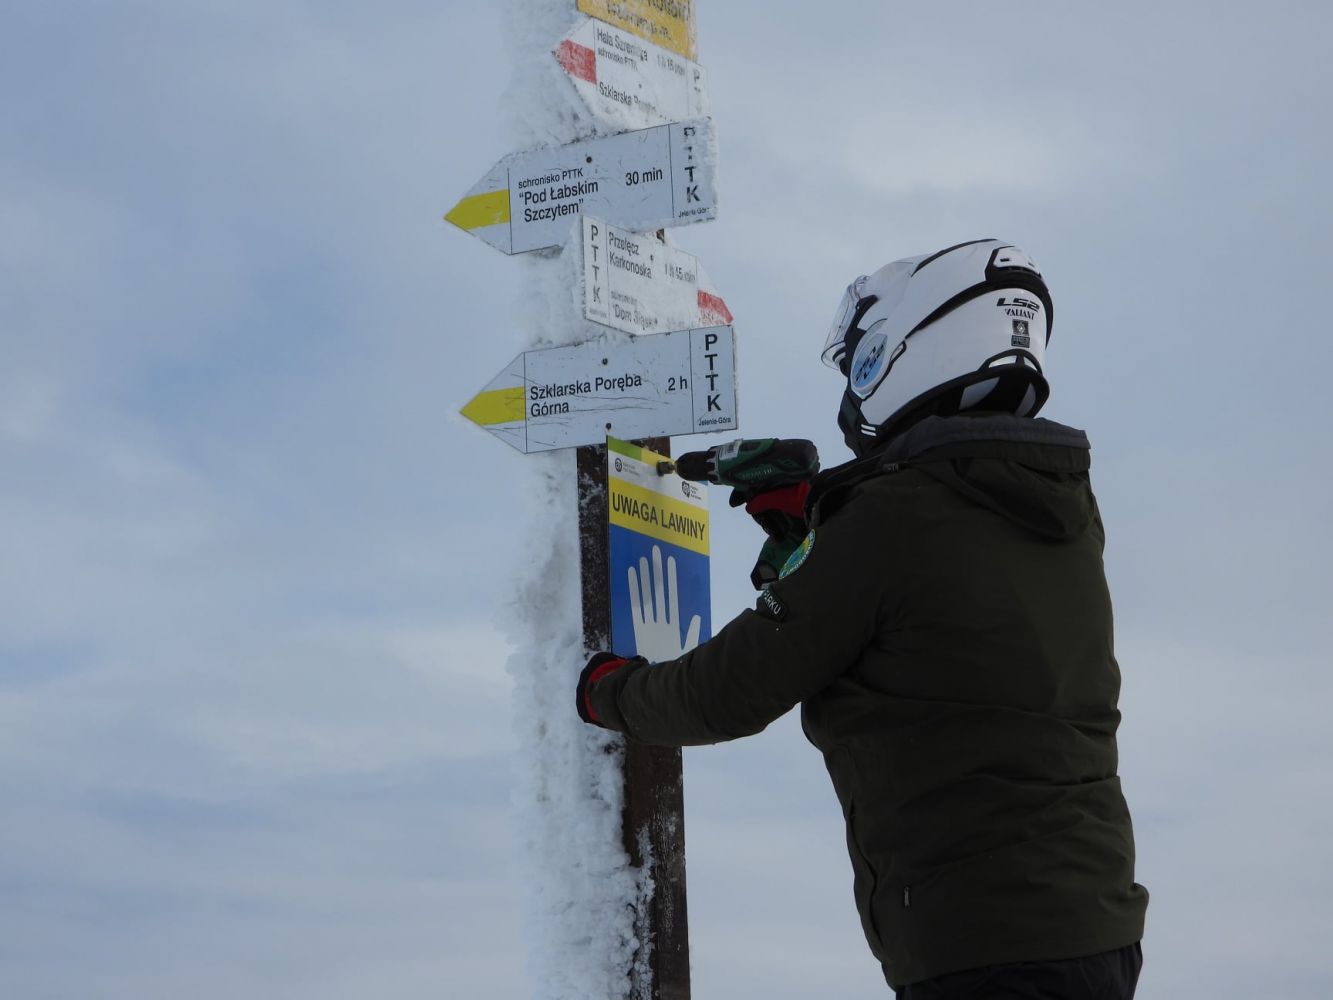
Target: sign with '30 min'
(650, 179)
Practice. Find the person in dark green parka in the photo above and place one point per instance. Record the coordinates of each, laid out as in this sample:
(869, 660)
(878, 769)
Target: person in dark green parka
(945, 625)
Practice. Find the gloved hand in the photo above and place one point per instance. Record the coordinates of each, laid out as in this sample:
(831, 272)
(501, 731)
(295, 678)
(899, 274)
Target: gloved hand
(601, 665)
(781, 513)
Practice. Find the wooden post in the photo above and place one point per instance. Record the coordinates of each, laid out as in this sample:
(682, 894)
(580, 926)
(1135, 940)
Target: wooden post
(653, 822)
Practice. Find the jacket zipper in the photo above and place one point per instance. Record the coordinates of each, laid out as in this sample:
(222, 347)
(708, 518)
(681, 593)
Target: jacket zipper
(874, 876)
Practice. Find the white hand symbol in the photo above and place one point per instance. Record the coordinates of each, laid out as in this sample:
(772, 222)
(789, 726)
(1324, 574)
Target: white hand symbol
(658, 638)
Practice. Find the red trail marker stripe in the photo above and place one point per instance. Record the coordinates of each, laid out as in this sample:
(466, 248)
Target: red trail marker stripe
(578, 60)
(713, 304)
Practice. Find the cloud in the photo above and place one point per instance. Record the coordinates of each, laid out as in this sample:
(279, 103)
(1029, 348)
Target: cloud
(329, 809)
(255, 724)
(1220, 759)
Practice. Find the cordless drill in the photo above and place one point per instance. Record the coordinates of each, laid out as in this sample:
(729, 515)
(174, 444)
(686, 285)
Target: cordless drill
(751, 464)
(771, 477)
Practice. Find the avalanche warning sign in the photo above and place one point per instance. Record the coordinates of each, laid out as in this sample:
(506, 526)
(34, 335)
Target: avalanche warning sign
(660, 595)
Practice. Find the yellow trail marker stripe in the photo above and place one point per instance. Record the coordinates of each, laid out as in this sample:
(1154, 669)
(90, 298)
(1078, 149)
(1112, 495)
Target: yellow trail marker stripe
(498, 406)
(475, 211)
(664, 518)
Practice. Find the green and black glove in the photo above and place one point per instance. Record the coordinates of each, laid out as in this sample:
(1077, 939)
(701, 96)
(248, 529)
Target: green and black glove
(781, 513)
(771, 478)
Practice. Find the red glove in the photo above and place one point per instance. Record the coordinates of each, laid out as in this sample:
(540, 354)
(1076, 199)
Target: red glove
(601, 665)
(788, 500)
(781, 513)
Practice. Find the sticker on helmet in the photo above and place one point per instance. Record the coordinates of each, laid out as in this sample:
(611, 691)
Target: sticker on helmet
(868, 363)
(1020, 337)
(798, 556)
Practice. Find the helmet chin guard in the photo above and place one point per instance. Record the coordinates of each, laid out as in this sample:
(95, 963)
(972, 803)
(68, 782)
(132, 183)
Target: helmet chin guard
(962, 329)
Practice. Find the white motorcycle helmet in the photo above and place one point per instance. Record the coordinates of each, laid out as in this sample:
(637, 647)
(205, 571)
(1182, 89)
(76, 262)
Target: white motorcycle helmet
(962, 329)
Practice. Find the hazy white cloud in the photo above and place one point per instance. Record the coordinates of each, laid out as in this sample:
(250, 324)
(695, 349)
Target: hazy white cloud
(316, 812)
(1223, 756)
(255, 721)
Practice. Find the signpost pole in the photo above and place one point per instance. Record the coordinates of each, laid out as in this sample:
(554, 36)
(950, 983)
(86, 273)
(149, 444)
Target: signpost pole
(675, 374)
(653, 821)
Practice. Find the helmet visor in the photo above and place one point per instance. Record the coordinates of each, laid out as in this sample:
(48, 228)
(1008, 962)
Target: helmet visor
(835, 346)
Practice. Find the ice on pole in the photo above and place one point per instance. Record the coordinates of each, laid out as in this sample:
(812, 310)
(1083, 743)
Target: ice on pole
(562, 397)
(668, 23)
(640, 285)
(628, 83)
(649, 179)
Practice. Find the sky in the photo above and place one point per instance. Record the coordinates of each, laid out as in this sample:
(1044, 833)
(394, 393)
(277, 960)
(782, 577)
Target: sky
(263, 590)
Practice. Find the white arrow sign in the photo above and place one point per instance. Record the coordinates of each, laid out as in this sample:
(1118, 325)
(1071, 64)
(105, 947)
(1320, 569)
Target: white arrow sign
(562, 397)
(628, 83)
(640, 285)
(656, 177)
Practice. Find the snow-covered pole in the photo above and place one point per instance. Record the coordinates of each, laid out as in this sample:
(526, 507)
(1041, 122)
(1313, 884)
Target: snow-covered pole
(609, 113)
(653, 817)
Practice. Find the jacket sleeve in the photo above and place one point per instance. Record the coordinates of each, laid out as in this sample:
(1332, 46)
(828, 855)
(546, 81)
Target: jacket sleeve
(806, 629)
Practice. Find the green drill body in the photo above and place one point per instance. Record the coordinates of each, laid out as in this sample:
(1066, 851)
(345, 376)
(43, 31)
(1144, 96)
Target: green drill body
(754, 466)
(751, 464)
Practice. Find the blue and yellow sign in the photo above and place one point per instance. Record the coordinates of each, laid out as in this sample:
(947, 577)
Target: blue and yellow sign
(660, 594)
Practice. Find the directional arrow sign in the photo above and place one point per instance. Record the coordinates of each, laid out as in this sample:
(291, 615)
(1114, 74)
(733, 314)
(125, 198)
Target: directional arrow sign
(640, 285)
(671, 383)
(656, 177)
(628, 83)
(668, 23)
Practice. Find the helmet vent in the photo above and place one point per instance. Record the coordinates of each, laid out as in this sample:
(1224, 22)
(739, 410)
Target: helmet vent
(1029, 403)
(974, 394)
(1018, 357)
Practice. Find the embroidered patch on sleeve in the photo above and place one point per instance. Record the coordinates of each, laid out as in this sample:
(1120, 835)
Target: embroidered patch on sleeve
(798, 556)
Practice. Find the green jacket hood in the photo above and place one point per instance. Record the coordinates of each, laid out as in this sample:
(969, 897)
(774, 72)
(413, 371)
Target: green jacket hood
(1032, 471)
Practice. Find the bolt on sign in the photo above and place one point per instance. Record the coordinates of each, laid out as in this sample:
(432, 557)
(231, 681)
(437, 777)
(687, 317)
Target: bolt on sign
(640, 285)
(668, 23)
(682, 382)
(629, 83)
(649, 179)
(658, 545)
